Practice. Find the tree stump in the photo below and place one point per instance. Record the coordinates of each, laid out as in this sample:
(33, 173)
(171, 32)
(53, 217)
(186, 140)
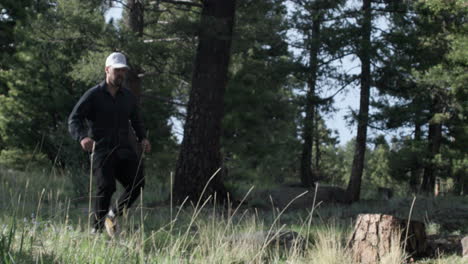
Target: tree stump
(464, 243)
(376, 235)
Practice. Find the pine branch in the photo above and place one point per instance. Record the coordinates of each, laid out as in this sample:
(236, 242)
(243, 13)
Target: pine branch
(335, 58)
(163, 40)
(327, 99)
(181, 2)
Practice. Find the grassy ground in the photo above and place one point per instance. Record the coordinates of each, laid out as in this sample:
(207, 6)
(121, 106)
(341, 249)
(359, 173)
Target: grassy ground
(43, 219)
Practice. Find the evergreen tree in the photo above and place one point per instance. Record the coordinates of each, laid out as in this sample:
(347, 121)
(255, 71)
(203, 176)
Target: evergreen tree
(259, 129)
(61, 54)
(447, 83)
(13, 15)
(364, 51)
(421, 41)
(40, 91)
(200, 154)
(319, 24)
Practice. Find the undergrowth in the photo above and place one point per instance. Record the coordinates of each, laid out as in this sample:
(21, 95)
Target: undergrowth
(41, 221)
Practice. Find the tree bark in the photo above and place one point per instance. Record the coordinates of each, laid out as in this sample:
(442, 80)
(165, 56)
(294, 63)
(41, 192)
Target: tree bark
(435, 140)
(307, 177)
(354, 185)
(317, 141)
(461, 184)
(200, 154)
(135, 22)
(415, 173)
(135, 16)
(377, 235)
(134, 85)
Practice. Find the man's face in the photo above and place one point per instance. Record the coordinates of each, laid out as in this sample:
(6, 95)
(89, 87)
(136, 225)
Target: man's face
(116, 76)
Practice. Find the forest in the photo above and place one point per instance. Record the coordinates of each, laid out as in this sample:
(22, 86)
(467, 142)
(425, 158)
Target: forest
(238, 98)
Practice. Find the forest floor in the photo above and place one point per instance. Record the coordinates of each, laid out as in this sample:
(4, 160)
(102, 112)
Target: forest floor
(44, 216)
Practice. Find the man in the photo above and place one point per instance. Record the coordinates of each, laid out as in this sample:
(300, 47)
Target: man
(100, 122)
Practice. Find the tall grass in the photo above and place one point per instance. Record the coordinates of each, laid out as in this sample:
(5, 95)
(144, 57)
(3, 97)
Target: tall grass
(41, 223)
(329, 246)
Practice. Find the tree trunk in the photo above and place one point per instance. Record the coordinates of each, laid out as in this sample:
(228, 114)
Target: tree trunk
(307, 177)
(435, 139)
(461, 184)
(135, 16)
(415, 173)
(135, 22)
(317, 141)
(200, 154)
(377, 235)
(354, 186)
(134, 85)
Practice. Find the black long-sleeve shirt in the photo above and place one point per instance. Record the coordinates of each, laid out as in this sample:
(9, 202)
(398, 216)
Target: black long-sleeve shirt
(105, 119)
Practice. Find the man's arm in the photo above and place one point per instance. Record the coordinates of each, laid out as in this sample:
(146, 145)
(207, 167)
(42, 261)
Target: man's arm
(77, 119)
(137, 123)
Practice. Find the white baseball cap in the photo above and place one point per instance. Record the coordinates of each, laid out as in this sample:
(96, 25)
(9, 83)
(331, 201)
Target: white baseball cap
(116, 60)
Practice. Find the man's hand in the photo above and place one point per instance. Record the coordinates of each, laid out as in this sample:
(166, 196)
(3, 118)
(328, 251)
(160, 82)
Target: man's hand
(87, 144)
(145, 145)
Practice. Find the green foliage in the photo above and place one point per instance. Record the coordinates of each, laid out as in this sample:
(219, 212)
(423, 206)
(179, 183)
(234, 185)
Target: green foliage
(19, 159)
(378, 167)
(62, 55)
(13, 14)
(424, 84)
(259, 134)
(448, 80)
(34, 109)
(89, 69)
(51, 52)
(406, 156)
(385, 166)
(335, 163)
(439, 6)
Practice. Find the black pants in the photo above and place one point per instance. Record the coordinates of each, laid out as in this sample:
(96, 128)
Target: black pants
(123, 168)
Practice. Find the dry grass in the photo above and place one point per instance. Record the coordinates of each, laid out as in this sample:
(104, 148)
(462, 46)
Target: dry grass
(40, 223)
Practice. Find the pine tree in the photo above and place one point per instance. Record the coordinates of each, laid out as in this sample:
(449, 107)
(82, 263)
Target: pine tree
(259, 129)
(319, 24)
(40, 91)
(364, 53)
(200, 154)
(418, 41)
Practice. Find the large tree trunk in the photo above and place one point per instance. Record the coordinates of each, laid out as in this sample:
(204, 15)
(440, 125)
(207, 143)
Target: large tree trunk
(354, 186)
(135, 19)
(135, 22)
(307, 177)
(200, 155)
(435, 140)
(134, 85)
(376, 235)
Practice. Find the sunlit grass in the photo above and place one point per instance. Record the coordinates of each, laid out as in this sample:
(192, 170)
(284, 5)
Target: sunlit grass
(41, 222)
